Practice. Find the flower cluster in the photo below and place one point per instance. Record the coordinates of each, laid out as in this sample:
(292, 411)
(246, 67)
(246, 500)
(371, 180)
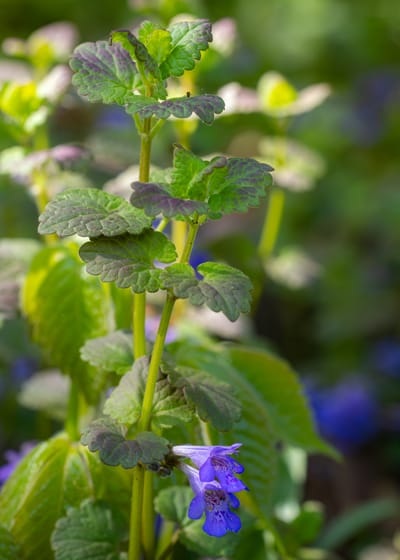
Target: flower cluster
(213, 482)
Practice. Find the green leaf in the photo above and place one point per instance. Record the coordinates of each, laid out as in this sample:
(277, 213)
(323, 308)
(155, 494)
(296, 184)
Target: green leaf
(195, 539)
(91, 213)
(258, 453)
(173, 503)
(157, 40)
(103, 72)
(213, 400)
(188, 39)
(87, 533)
(204, 106)
(23, 109)
(125, 402)
(65, 307)
(108, 437)
(127, 260)
(155, 200)
(55, 475)
(281, 391)
(112, 353)
(243, 186)
(8, 548)
(223, 287)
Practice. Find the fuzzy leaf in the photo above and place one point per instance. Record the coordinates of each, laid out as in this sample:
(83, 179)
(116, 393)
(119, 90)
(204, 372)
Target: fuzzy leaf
(188, 39)
(87, 533)
(242, 187)
(279, 387)
(125, 403)
(66, 307)
(213, 400)
(137, 50)
(103, 72)
(107, 437)
(155, 200)
(204, 106)
(223, 287)
(112, 352)
(91, 213)
(127, 260)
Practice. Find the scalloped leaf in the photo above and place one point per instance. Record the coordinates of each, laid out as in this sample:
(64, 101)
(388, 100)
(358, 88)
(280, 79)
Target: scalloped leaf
(188, 39)
(108, 437)
(87, 533)
(204, 106)
(112, 352)
(155, 200)
(103, 72)
(223, 287)
(66, 307)
(91, 213)
(128, 260)
(278, 385)
(243, 186)
(214, 401)
(125, 402)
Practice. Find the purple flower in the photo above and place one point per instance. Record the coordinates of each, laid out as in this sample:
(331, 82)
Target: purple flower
(215, 502)
(13, 458)
(214, 462)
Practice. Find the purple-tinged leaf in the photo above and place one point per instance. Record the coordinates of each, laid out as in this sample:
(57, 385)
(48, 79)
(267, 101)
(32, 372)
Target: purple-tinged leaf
(242, 187)
(108, 437)
(188, 39)
(223, 287)
(204, 106)
(91, 213)
(137, 50)
(103, 72)
(155, 200)
(128, 260)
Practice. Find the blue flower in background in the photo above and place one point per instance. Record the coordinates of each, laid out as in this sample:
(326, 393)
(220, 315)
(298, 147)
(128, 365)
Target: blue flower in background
(214, 462)
(346, 415)
(386, 357)
(13, 458)
(214, 502)
(114, 117)
(22, 368)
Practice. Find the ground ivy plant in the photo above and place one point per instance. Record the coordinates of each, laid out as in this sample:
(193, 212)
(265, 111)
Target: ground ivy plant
(147, 464)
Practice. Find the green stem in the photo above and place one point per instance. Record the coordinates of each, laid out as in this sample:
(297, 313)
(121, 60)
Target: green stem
(72, 421)
(272, 223)
(148, 516)
(136, 514)
(190, 239)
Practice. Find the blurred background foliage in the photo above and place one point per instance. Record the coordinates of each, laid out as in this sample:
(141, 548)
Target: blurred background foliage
(330, 299)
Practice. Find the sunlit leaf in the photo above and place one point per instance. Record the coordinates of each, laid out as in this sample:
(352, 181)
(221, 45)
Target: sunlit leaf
(128, 260)
(188, 39)
(112, 352)
(91, 213)
(157, 40)
(223, 288)
(103, 72)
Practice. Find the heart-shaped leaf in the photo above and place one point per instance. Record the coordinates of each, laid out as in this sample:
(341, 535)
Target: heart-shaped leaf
(91, 213)
(112, 352)
(223, 287)
(108, 437)
(104, 72)
(128, 260)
